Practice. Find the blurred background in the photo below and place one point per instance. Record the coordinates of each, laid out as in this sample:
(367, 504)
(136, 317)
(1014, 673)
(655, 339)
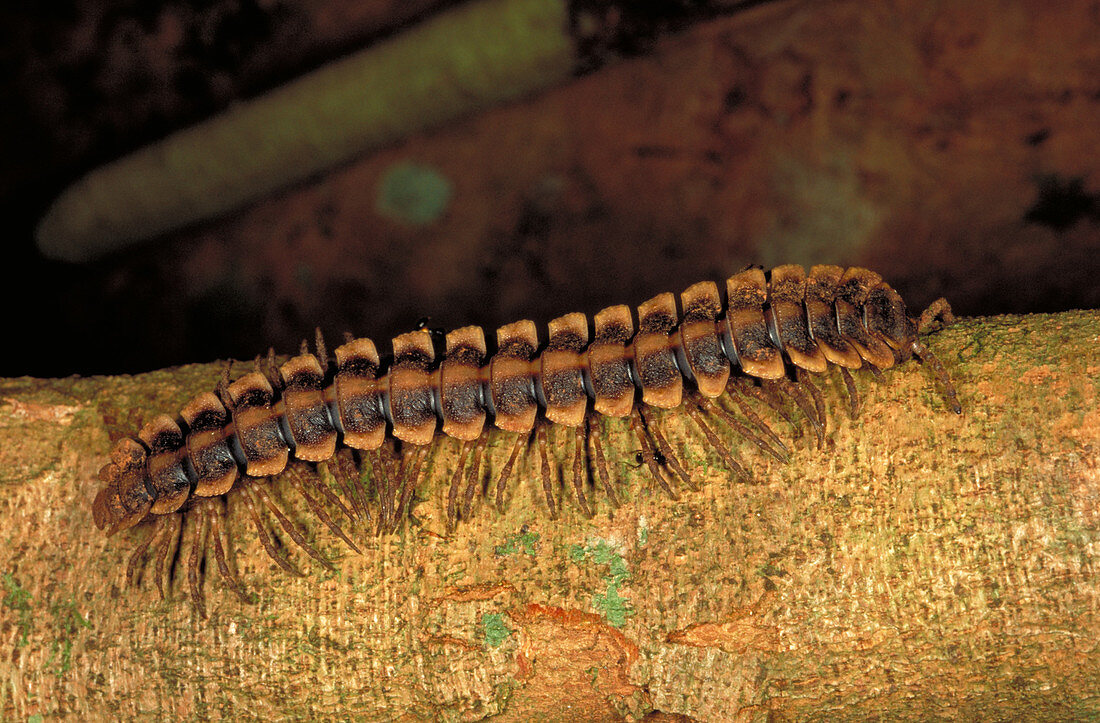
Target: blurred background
(952, 147)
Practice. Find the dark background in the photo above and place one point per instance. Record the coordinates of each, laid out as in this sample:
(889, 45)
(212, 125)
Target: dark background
(952, 149)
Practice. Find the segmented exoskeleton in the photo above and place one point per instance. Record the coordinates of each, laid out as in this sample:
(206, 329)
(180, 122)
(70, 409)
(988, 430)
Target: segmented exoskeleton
(770, 334)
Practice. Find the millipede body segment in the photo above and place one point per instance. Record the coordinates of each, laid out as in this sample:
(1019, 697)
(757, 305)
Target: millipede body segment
(764, 337)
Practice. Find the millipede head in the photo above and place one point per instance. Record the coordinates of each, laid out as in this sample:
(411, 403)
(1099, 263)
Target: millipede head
(124, 500)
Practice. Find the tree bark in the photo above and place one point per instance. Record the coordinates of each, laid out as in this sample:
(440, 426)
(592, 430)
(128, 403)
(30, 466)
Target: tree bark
(922, 565)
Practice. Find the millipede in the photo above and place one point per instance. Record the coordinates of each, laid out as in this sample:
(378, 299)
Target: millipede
(766, 339)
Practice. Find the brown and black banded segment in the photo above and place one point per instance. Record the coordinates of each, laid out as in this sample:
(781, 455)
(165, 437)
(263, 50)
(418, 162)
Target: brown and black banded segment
(850, 323)
(700, 340)
(412, 400)
(307, 414)
(168, 479)
(460, 384)
(856, 284)
(822, 283)
(562, 370)
(654, 356)
(886, 318)
(510, 377)
(786, 293)
(821, 287)
(609, 362)
(256, 419)
(207, 446)
(360, 395)
(852, 291)
(746, 293)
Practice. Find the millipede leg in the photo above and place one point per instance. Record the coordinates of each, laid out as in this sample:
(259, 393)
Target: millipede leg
(666, 451)
(297, 483)
(473, 477)
(396, 474)
(769, 395)
(926, 355)
(356, 484)
(382, 485)
(270, 370)
(875, 372)
(173, 531)
(766, 394)
(319, 485)
(806, 380)
(649, 454)
(578, 471)
(547, 484)
(853, 393)
(396, 471)
(139, 552)
(198, 549)
(354, 478)
(506, 472)
(805, 403)
(222, 390)
(287, 525)
(329, 466)
(710, 406)
(456, 481)
(601, 462)
(322, 352)
(265, 539)
(410, 481)
(716, 444)
(217, 531)
(757, 422)
(800, 397)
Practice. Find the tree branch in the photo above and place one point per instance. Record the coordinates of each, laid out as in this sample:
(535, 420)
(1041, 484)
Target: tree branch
(921, 565)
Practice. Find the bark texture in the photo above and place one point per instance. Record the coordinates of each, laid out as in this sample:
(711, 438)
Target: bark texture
(921, 565)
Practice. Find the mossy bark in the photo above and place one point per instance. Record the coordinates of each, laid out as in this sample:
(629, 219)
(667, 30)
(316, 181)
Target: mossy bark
(921, 565)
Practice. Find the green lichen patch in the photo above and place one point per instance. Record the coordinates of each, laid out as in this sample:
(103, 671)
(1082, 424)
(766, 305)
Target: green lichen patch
(611, 605)
(494, 630)
(524, 541)
(614, 608)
